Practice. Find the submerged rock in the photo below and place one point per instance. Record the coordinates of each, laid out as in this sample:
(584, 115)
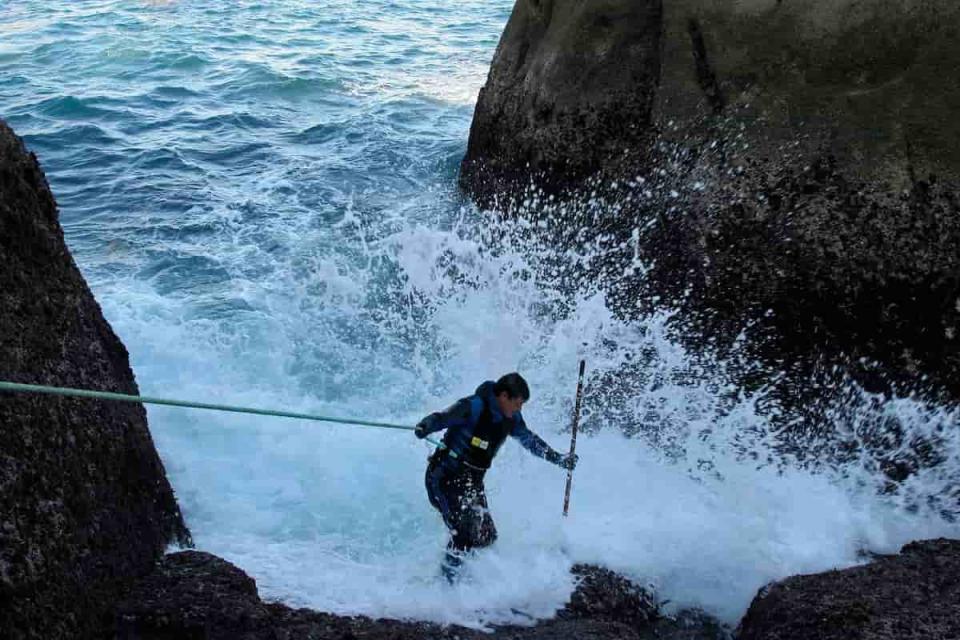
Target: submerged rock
(785, 174)
(580, 87)
(84, 500)
(604, 593)
(198, 595)
(912, 595)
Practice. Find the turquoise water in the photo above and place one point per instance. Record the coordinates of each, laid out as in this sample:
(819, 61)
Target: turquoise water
(205, 148)
(262, 197)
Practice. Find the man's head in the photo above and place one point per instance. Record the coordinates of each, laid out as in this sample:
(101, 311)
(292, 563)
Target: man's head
(511, 392)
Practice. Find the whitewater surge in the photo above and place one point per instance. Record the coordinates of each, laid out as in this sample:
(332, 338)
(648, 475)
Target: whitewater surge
(262, 198)
(336, 518)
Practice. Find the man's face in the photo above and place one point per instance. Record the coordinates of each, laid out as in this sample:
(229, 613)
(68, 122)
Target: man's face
(509, 406)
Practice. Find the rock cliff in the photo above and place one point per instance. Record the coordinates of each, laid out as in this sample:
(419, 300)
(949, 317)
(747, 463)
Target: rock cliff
(571, 86)
(85, 505)
(576, 88)
(783, 172)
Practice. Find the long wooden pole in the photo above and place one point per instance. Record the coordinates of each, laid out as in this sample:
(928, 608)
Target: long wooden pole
(573, 436)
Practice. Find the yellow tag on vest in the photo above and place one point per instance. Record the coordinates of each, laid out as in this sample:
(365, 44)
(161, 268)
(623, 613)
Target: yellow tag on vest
(477, 442)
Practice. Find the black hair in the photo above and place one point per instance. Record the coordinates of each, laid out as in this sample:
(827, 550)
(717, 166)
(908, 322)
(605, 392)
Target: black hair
(514, 385)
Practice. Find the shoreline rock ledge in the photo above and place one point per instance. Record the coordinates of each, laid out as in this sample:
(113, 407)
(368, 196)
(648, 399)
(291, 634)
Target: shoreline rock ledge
(911, 596)
(200, 596)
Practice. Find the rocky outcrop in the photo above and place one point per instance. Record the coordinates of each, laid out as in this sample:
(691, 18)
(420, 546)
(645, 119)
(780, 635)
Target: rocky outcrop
(572, 85)
(783, 172)
(84, 501)
(199, 596)
(912, 595)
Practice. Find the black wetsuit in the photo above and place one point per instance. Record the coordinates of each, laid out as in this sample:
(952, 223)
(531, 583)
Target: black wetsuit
(475, 430)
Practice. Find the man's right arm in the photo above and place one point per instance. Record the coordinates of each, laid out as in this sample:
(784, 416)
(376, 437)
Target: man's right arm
(456, 414)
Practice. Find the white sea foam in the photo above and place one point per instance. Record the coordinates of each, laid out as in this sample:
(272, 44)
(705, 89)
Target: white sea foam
(336, 518)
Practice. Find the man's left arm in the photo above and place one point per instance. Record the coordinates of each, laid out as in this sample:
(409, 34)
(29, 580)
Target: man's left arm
(538, 447)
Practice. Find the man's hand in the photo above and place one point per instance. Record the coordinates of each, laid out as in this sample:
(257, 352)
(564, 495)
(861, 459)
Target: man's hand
(420, 430)
(569, 461)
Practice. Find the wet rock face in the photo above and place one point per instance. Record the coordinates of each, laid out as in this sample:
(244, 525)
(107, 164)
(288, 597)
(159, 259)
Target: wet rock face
(912, 595)
(84, 500)
(812, 275)
(198, 595)
(603, 593)
(867, 82)
(571, 85)
(787, 172)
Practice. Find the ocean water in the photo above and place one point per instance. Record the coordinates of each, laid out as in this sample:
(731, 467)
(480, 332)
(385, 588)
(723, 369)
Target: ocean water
(262, 197)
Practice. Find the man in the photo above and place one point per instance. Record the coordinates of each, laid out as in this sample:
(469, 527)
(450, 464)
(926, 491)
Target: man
(476, 427)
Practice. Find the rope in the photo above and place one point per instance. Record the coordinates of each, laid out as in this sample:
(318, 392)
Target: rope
(122, 397)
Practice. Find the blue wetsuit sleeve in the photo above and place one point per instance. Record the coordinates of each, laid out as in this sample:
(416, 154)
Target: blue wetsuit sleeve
(533, 443)
(455, 415)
